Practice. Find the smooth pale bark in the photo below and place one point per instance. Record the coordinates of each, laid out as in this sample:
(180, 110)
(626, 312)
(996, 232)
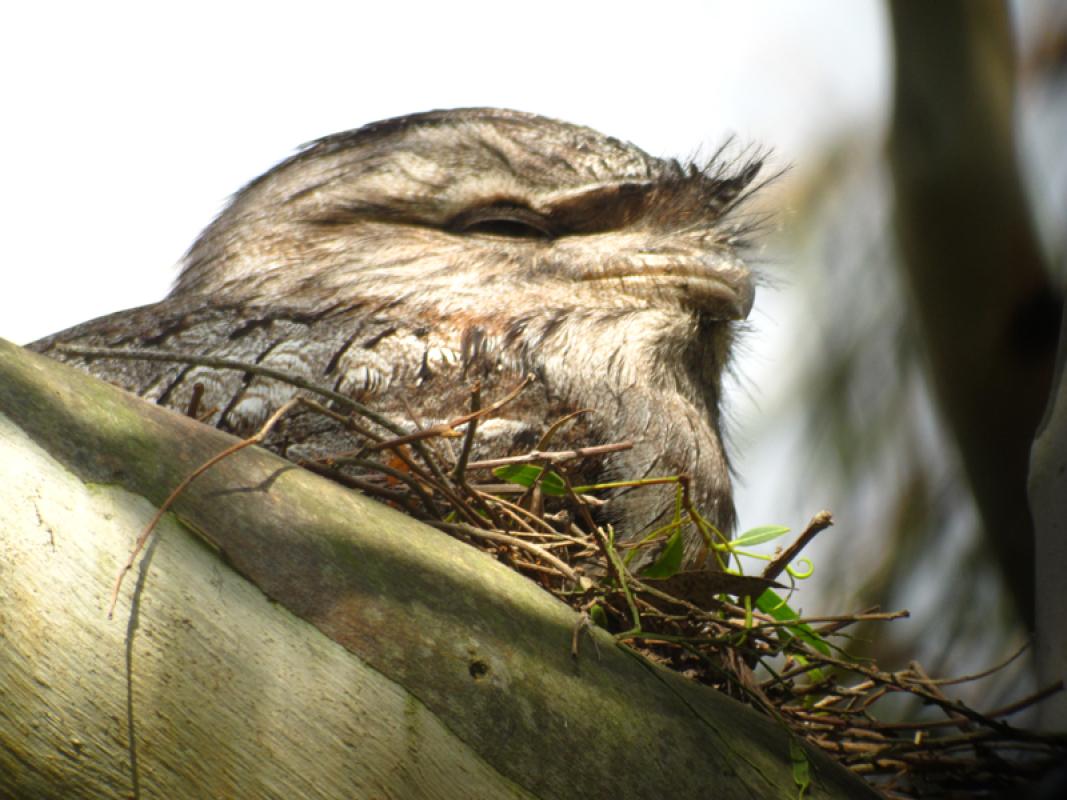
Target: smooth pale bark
(318, 645)
(230, 695)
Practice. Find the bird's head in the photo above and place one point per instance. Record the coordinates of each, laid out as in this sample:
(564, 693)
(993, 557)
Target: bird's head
(467, 213)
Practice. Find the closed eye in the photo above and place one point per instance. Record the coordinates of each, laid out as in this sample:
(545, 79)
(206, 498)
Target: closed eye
(505, 220)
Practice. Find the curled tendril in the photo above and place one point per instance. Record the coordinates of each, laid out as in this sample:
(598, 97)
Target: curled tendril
(803, 568)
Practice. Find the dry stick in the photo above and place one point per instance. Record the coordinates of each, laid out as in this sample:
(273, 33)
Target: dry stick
(974, 676)
(819, 523)
(412, 481)
(437, 480)
(546, 437)
(989, 742)
(551, 456)
(416, 420)
(896, 682)
(143, 538)
(500, 536)
(615, 564)
(519, 514)
(498, 488)
(737, 623)
(416, 440)
(540, 539)
(534, 497)
(399, 496)
(446, 428)
(193, 409)
(584, 622)
(442, 485)
(533, 566)
(840, 619)
(206, 413)
(847, 619)
(492, 408)
(959, 721)
(838, 622)
(414, 478)
(1027, 701)
(1003, 711)
(420, 438)
(460, 471)
(355, 457)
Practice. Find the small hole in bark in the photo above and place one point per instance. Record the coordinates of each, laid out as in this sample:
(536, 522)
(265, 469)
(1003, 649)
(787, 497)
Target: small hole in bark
(479, 669)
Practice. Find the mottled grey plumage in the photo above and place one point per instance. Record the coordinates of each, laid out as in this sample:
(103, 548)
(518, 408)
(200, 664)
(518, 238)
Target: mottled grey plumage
(399, 262)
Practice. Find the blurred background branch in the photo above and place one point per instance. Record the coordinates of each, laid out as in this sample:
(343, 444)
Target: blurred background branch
(925, 262)
(981, 295)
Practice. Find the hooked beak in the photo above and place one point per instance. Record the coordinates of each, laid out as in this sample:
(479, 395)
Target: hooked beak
(718, 287)
(726, 291)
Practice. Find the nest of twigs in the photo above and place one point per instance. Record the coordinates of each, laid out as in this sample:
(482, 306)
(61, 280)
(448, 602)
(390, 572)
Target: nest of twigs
(733, 632)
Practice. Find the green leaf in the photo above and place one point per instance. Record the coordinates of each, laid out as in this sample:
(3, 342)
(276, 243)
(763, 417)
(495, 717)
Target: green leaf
(527, 475)
(764, 533)
(669, 560)
(553, 484)
(598, 615)
(522, 474)
(801, 767)
(770, 603)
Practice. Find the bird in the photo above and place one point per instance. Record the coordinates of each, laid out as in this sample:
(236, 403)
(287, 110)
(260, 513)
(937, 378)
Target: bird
(399, 262)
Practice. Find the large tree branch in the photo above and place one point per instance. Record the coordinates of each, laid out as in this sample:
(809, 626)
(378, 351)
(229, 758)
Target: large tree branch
(448, 675)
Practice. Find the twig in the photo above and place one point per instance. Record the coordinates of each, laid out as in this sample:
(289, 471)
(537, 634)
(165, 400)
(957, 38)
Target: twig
(492, 408)
(411, 479)
(551, 456)
(519, 515)
(229, 451)
(460, 471)
(819, 523)
(1003, 711)
(848, 620)
(974, 676)
(193, 409)
(546, 437)
(504, 538)
(584, 623)
(965, 725)
(448, 428)
(615, 565)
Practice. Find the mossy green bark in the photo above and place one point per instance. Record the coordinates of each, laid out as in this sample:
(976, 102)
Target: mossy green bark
(476, 658)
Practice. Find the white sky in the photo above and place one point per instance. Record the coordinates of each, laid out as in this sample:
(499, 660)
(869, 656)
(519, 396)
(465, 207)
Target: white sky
(127, 125)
